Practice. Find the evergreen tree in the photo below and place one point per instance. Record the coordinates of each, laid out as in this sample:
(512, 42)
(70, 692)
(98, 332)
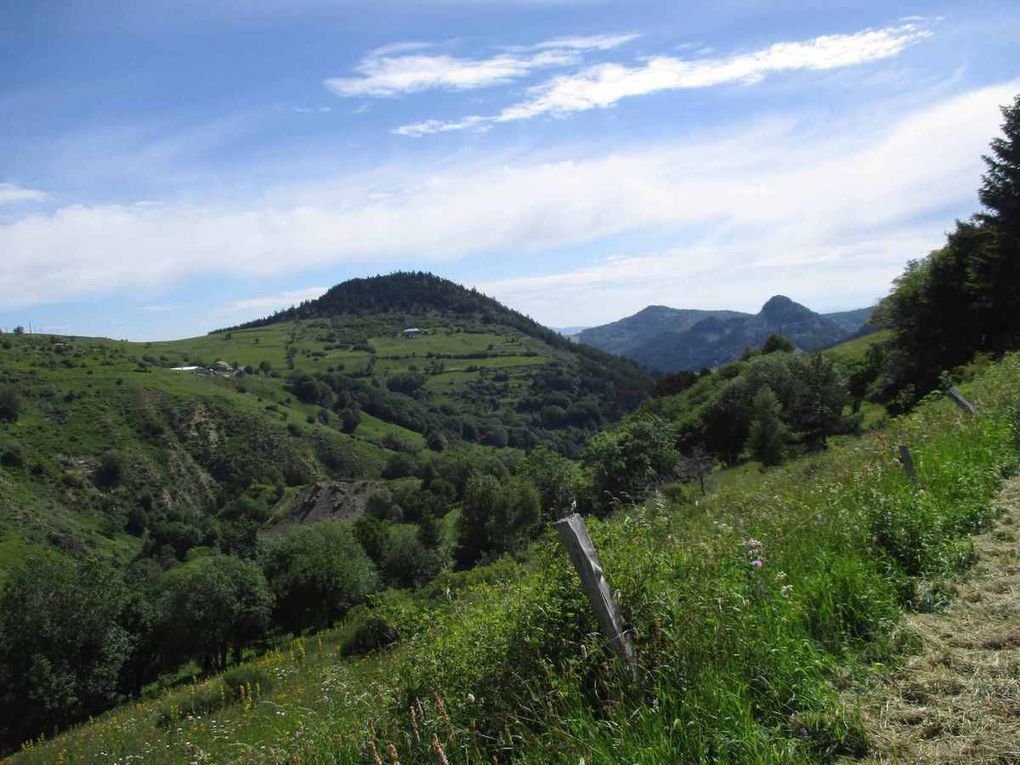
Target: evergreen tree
(766, 440)
(1000, 187)
(994, 262)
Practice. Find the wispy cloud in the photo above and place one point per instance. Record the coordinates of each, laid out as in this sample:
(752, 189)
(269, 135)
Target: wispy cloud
(773, 195)
(582, 42)
(604, 85)
(11, 193)
(403, 68)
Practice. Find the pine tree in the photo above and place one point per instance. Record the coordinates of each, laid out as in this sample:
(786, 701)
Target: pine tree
(994, 257)
(1000, 187)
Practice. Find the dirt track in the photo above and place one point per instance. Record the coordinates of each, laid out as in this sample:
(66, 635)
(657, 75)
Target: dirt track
(958, 699)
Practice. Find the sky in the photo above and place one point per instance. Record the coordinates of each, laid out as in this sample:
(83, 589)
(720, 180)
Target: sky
(168, 167)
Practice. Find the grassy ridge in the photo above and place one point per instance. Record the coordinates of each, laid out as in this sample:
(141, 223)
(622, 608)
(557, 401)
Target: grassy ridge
(741, 662)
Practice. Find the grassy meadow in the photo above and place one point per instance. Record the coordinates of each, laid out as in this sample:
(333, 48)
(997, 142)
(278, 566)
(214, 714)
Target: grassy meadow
(753, 609)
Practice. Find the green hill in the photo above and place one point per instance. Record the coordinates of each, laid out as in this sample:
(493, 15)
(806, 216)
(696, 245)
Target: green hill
(330, 391)
(751, 610)
(154, 458)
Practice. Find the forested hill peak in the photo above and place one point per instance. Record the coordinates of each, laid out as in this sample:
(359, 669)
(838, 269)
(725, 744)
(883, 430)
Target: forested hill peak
(407, 292)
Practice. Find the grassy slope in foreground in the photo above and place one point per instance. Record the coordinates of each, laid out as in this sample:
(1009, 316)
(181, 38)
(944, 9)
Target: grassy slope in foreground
(742, 663)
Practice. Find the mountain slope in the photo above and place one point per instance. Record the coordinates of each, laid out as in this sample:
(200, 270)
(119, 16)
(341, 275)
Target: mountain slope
(304, 397)
(620, 336)
(852, 321)
(749, 652)
(697, 339)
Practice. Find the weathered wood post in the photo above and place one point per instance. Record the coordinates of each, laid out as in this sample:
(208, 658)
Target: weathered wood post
(574, 534)
(908, 462)
(961, 402)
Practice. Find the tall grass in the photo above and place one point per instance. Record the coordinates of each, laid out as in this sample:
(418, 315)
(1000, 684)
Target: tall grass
(751, 609)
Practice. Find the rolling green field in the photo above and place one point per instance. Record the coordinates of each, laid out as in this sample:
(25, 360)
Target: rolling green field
(752, 608)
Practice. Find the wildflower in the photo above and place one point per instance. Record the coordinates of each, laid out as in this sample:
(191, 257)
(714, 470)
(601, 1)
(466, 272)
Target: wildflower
(786, 590)
(780, 576)
(471, 698)
(757, 563)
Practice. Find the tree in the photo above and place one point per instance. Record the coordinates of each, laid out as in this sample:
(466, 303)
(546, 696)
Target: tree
(965, 297)
(210, 605)
(436, 440)
(10, 404)
(407, 562)
(311, 390)
(1000, 186)
(407, 383)
(766, 440)
(817, 408)
(627, 461)
(61, 645)
(695, 465)
(350, 418)
(777, 343)
(559, 480)
(317, 573)
(497, 516)
(994, 268)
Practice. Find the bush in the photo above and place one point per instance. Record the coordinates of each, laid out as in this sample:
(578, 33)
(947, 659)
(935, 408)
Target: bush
(209, 606)
(61, 646)
(317, 572)
(628, 461)
(10, 404)
(12, 457)
(110, 470)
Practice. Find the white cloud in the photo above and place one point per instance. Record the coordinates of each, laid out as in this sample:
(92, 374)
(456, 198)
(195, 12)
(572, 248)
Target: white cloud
(604, 85)
(11, 194)
(589, 42)
(402, 68)
(266, 304)
(774, 197)
(383, 76)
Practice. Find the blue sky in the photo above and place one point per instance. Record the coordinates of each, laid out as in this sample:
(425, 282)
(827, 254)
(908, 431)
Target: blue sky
(167, 168)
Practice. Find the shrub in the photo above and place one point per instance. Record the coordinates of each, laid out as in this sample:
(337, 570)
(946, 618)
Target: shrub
(10, 403)
(628, 461)
(210, 605)
(317, 572)
(110, 470)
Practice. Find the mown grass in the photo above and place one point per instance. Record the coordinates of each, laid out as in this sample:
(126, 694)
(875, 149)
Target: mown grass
(751, 610)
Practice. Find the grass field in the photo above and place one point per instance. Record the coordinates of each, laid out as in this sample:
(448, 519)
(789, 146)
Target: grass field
(752, 610)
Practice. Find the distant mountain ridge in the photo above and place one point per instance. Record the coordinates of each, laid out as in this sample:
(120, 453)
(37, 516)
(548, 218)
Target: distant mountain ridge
(672, 339)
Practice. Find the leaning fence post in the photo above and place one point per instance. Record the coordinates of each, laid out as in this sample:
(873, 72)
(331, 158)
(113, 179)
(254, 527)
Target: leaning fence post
(961, 402)
(574, 534)
(908, 462)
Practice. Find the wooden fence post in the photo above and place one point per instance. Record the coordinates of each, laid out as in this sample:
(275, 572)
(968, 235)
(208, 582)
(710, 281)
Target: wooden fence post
(908, 462)
(574, 534)
(961, 402)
